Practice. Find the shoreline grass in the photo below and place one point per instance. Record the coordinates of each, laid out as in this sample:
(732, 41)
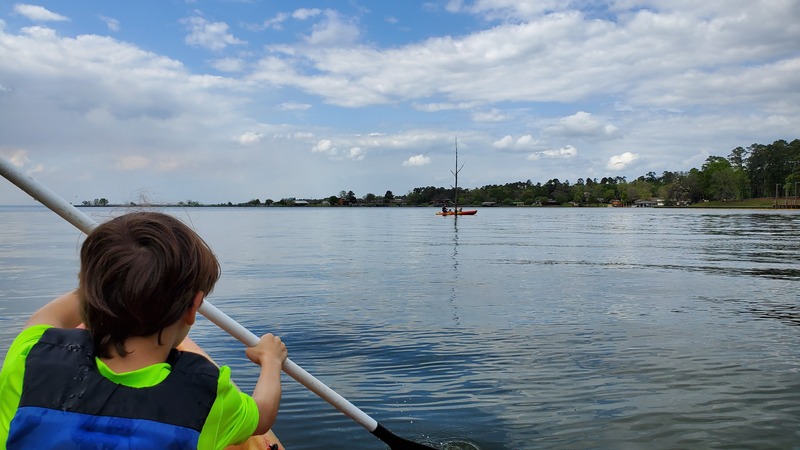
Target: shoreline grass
(751, 203)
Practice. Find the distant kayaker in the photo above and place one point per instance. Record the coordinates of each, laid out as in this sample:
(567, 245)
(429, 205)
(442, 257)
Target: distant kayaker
(120, 382)
(444, 209)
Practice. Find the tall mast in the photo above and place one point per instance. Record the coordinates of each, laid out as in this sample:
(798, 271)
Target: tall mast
(455, 174)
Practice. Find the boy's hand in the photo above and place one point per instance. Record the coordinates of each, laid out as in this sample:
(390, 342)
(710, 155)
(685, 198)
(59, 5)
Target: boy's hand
(269, 350)
(270, 353)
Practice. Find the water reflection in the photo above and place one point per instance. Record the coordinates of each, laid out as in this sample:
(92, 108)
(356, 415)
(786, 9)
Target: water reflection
(455, 282)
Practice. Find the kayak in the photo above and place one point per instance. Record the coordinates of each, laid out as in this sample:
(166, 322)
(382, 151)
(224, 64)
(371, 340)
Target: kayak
(470, 212)
(266, 441)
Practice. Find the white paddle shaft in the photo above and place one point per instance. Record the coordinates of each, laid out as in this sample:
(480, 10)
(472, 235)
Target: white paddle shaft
(85, 223)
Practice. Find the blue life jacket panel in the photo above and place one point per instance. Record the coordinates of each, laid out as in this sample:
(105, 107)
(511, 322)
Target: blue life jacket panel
(67, 403)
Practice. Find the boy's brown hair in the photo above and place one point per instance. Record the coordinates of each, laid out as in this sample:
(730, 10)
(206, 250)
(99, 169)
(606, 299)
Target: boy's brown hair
(139, 273)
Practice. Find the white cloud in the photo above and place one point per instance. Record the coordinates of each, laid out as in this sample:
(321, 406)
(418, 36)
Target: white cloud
(333, 31)
(19, 158)
(275, 22)
(506, 9)
(229, 64)
(524, 143)
(399, 141)
(324, 146)
(417, 160)
(210, 35)
(327, 147)
(356, 154)
(436, 107)
(621, 161)
(491, 116)
(302, 135)
(582, 124)
(38, 13)
(249, 138)
(565, 152)
(453, 6)
(104, 100)
(39, 32)
(132, 162)
(294, 106)
(168, 163)
(112, 24)
(306, 13)
(503, 143)
(635, 59)
(38, 168)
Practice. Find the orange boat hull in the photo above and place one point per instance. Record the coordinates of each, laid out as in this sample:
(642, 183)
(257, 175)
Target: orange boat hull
(470, 212)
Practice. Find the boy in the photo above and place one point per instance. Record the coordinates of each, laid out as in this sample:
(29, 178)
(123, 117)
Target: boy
(120, 383)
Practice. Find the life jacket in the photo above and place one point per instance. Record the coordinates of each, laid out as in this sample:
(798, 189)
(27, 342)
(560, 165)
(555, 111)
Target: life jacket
(67, 403)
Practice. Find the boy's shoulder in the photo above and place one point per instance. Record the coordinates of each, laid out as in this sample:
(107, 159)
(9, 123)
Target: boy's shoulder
(25, 340)
(12, 372)
(66, 336)
(192, 363)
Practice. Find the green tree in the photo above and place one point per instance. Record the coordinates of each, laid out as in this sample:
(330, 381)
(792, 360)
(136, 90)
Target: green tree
(791, 185)
(639, 189)
(719, 179)
(580, 192)
(693, 183)
(738, 158)
(769, 165)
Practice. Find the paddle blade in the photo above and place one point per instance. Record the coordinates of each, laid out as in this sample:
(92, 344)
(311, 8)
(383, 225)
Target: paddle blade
(395, 442)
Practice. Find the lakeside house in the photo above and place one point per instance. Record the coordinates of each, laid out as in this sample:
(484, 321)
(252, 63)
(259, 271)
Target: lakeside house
(649, 203)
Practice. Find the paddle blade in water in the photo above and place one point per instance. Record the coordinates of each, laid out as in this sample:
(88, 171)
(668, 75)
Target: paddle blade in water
(395, 442)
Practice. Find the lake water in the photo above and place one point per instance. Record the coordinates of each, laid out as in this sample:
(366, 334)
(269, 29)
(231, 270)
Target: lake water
(515, 328)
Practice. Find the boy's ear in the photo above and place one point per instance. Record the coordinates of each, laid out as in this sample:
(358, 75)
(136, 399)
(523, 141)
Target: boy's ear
(191, 313)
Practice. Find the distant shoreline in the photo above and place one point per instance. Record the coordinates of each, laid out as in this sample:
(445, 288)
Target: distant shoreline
(750, 204)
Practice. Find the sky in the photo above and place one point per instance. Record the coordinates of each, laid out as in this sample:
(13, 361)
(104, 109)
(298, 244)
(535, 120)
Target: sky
(232, 100)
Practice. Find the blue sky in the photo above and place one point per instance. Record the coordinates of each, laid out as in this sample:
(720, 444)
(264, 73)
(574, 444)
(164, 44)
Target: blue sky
(218, 101)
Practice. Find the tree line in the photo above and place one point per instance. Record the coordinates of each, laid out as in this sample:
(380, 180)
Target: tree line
(760, 170)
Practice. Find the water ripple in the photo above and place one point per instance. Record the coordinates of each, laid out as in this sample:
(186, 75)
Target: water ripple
(523, 328)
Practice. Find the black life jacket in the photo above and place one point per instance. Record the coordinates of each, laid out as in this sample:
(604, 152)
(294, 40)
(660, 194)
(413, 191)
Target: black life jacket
(66, 402)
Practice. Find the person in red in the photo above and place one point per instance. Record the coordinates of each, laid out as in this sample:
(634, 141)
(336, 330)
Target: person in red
(120, 382)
